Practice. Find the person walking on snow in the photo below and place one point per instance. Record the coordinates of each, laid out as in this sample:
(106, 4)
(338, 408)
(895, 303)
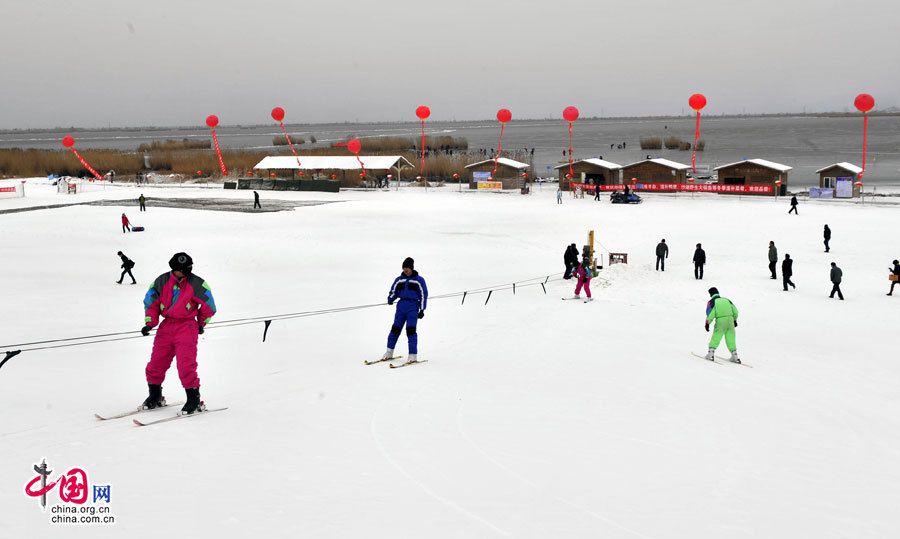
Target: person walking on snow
(127, 264)
(142, 202)
(584, 275)
(725, 314)
(699, 262)
(412, 292)
(662, 253)
(559, 196)
(186, 303)
(787, 270)
(126, 224)
(596, 189)
(256, 203)
(836, 275)
(571, 260)
(896, 273)
(793, 206)
(773, 259)
(827, 234)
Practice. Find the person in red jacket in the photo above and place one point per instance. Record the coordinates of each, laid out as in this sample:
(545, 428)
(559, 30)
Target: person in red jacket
(186, 303)
(126, 225)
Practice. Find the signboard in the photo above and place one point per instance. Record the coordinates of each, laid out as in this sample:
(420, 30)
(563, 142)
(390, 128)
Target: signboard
(490, 185)
(7, 189)
(844, 187)
(481, 176)
(821, 192)
(699, 188)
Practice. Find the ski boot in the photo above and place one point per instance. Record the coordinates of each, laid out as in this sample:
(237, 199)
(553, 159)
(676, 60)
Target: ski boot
(734, 357)
(576, 296)
(388, 354)
(155, 399)
(710, 355)
(412, 359)
(193, 403)
(588, 299)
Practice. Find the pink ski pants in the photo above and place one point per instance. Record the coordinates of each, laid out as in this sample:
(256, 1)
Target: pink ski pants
(175, 338)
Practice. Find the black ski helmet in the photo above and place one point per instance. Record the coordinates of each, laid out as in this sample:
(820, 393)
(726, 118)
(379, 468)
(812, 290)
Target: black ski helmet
(713, 291)
(181, 262)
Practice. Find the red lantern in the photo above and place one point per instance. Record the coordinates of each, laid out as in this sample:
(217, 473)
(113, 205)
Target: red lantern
(362, 174)
(423, 112)
(778, 183)
(354, 145)
(199, 173)
(690, 180)
(418, 178)
(570, 114)
(864, 102)
(334, 176)
(300, 173)
(568, 176)
(68, 141)
(524, 174)
(858, 184)
(697, 101)
(633, 180)
(278, 114)
(390, 176)
(212, 120)
(455, 176)
(504, 115)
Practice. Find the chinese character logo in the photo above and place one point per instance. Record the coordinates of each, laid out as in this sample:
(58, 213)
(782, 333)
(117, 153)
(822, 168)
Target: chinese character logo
(73, 485)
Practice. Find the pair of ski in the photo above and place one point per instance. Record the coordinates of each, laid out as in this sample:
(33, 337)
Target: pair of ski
(391, 365)
(586, 300)
(154, 422)
(721, 360)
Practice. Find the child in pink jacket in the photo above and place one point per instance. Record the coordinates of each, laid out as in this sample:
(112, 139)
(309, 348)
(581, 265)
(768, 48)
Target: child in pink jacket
(584, 275)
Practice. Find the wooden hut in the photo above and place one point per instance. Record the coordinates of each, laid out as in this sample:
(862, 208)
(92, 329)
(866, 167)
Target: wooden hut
(509, 172)
(754, 172)
(590, 171)
(840, 178)
(655, 174)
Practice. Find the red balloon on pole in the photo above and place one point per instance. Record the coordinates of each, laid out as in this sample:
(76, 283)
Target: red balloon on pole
(68, 141)
(697, 101)
(570, 114)
(423, 112)
(504, 115)
(212, 120)
(864, 102)
(278, 114)
(354, 145)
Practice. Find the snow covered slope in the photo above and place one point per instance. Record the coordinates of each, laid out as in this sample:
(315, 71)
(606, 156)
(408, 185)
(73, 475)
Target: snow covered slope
(534, 417)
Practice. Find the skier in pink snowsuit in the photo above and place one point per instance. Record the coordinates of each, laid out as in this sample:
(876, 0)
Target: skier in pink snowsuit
(186, 303)
(584, 274)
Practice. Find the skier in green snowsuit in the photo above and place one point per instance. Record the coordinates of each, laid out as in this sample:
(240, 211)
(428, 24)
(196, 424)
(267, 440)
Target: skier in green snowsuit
(725, 314)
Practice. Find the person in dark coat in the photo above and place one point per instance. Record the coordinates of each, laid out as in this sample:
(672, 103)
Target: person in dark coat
(896, 273)
(597, 189)
(571, 260)
(127, 264)
(793, 205)
(256, 203)
(827, 235)
(662, 253)
(836, 275)
(787, 270)
(773, 259)
(699, 262)
(142, 202)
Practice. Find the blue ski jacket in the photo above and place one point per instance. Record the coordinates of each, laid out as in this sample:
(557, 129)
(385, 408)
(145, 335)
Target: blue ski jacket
(410, 288)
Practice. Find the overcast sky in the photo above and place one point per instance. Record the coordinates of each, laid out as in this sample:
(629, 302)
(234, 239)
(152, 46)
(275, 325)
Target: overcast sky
(172, 62)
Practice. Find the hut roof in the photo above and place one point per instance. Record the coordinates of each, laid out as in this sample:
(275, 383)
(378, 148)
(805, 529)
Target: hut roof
(593, 161)
(761, 162)
(660, 161)
(332, 162)
(850, 167)
(502, 161)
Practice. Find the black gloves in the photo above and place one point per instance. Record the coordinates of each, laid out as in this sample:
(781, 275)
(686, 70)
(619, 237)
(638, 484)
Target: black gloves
(145, 331)
(200, 330)
(390, 302)
(706, 325)
(421, 315)
(735, 323)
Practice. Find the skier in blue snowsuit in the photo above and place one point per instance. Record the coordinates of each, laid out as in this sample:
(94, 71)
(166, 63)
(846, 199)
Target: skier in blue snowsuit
(410, 289)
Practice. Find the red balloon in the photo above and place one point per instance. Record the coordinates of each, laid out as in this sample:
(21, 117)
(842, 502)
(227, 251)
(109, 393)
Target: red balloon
(212, 120)
(570, 114)
(354, 146)
(697, 101)
(504, 115)
(423, 112)
(864, 102)
(68, 141)
(278, 114)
